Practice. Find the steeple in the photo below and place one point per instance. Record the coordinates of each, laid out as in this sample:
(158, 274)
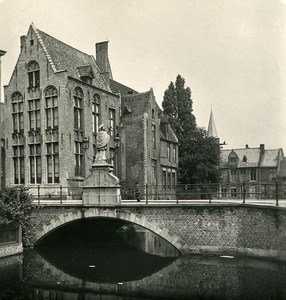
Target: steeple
(212, 129)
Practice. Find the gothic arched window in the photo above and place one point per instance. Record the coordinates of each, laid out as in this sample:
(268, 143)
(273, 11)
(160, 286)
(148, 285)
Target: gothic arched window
(78, 105)
(33, 74)
(17, 112)
(52, 114)
(95, 112)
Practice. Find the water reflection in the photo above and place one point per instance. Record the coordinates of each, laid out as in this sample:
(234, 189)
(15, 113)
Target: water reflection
(101, 263)
(188, 277)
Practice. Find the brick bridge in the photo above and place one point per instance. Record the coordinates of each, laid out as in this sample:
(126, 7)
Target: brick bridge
(237, 229)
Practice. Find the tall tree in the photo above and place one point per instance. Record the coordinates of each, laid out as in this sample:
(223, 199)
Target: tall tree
(198, 153)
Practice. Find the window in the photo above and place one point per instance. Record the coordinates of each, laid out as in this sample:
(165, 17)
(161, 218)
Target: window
(153, 136)
(111, 121)
(78, 156)
(174, 153)
(243, 171)
(272, 174)
(52, 114)
(33, 74)
(18, 162)
(174, 179)
(164, 176)
(233, 192)
(169, 180)
(78, 99)
(168, 151)
(52, 154)
(153, 171)
(233, 172)
(35, 163)
(112, 158)
(17, 112)
(253, 175)
(223, 192)
(95, 112)
(34, 114)
(244, 159)
(153, 114)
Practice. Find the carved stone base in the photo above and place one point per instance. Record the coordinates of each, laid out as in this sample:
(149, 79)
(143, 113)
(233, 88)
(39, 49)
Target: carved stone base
(101, 188)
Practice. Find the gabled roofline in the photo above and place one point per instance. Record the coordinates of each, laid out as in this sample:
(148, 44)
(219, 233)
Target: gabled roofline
(95, 87)
(44, 48)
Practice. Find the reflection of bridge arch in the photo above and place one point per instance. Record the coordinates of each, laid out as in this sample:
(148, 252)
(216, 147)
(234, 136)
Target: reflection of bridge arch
(65, 218)
(55, 279)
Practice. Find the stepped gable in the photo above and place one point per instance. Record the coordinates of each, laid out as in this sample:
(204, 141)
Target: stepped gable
(63, 57)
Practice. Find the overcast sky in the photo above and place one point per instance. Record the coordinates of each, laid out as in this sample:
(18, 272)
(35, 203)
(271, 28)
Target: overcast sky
(230, 52)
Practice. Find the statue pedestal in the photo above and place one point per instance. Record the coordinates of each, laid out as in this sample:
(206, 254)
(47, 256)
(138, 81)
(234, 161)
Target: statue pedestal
(101, 188)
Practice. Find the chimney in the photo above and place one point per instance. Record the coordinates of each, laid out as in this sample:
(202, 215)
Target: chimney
(246, 146)
(262, 147)
(22, 41)
(103, 61)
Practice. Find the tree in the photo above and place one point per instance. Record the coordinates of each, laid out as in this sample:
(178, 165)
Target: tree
(16, 207)
(198, 153)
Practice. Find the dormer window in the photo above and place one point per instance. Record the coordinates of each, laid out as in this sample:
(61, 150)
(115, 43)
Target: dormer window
(31, 42)
(244, 159)
(233, 158)
(86, 73)
(33, 74)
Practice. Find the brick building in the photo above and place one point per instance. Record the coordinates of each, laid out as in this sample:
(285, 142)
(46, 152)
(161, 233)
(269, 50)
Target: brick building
(149, 147)
(2, 146)
(56, 99)
(258, 167)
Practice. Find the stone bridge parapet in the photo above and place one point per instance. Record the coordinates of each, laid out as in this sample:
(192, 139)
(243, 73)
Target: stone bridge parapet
(221, 229)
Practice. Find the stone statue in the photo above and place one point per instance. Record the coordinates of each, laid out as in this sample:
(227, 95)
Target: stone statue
(102, 140)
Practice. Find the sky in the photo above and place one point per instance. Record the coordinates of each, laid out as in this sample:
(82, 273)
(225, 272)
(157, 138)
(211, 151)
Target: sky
(232, 53)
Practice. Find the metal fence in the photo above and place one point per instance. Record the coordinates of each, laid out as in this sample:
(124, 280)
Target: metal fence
(180, 192)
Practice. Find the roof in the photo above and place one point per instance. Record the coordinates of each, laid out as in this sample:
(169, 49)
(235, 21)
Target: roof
(136, 103)
(63, 57)
(252, 157)
(168, 134)
(117, 87)
(212, 128)
(270, 158)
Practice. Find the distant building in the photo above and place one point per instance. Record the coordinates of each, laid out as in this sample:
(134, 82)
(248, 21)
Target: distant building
(2, 132)
(258, 167)
(55, 101)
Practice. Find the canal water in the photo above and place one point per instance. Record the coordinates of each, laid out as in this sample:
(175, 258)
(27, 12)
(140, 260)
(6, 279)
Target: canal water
(96, 261)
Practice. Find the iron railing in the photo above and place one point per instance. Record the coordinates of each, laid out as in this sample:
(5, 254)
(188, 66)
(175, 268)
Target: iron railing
(179, 192)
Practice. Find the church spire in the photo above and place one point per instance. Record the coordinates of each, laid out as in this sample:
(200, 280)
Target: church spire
(212, 129)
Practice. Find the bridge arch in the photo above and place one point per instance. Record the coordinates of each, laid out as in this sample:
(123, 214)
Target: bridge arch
(70, 216)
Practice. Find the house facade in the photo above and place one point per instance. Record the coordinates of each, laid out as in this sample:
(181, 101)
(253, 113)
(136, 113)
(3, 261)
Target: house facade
(257, 169)
(56, 99)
